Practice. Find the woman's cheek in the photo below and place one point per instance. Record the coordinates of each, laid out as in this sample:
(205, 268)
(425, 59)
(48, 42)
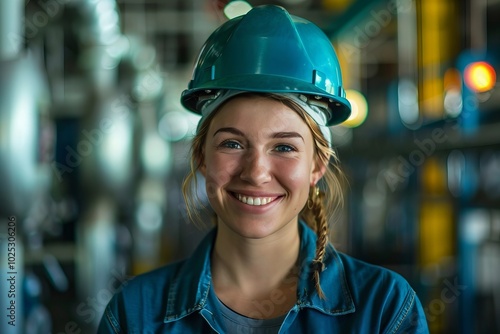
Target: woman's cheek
(219, 172)
(294, 170)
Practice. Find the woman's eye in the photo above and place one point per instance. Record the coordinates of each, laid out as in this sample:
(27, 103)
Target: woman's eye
(285, 148)
(230, 144)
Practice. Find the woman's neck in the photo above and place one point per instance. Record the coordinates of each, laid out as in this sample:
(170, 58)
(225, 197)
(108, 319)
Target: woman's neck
(254, 267)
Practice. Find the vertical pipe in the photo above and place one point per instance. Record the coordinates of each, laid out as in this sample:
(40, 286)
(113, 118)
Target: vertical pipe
(11, 28)
(477, 26)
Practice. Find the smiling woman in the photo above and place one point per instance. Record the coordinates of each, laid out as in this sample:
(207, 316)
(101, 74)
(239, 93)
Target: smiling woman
(263, 145)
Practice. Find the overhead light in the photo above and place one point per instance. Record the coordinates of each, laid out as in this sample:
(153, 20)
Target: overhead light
(236, 8)
(479, 76)
(359, 108)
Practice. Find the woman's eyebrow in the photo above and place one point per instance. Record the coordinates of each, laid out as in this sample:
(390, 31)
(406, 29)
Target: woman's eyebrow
(284, 134)
(290, 134)
(234, 131)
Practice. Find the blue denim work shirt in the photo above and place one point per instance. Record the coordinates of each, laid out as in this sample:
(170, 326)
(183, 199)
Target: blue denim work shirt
(179, 298)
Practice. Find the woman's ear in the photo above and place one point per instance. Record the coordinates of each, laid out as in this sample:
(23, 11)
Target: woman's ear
(200, 161)
(317, 172)
(202, 170)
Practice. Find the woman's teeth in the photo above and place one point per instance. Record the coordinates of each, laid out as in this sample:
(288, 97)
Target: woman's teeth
(254, 200)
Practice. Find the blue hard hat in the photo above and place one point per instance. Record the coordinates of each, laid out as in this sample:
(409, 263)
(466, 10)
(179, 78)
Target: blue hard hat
(269, 50)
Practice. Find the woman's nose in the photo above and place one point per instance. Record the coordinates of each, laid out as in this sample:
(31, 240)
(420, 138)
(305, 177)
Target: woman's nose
(256, 168)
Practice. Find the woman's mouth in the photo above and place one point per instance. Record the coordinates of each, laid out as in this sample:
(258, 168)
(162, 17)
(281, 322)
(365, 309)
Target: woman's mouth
(255, 201)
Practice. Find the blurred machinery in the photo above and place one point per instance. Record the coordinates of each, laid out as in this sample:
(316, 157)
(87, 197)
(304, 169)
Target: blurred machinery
(78, 99)
(26, 137)
(422, 199)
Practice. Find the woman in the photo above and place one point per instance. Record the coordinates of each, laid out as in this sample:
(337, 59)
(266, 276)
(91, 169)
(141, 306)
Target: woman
(267, 85)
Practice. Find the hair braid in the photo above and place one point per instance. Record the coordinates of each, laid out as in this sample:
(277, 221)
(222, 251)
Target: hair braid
(316, 208)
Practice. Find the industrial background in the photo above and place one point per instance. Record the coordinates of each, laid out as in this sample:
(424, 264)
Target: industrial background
(94, 146)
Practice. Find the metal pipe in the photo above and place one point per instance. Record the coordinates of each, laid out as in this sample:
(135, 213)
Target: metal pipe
(11, 28)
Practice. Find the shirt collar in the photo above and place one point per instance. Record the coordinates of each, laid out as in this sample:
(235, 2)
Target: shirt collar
(190, 290)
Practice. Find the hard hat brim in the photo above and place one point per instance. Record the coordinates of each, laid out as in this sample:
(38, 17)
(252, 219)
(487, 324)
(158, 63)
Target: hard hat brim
(339, 107)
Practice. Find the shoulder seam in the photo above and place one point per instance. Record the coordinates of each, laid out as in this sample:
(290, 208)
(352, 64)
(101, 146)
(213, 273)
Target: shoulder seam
(112, 321)
(406, 309)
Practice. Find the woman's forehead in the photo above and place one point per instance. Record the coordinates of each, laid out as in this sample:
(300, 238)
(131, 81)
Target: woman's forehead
(247, 111)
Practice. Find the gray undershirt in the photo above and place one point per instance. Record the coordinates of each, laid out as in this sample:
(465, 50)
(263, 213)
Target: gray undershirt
(236, 323)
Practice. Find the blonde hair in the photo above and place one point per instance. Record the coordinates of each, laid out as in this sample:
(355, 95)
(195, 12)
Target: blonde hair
(320, 205)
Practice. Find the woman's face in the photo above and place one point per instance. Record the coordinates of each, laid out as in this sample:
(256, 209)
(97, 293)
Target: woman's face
(259, 164)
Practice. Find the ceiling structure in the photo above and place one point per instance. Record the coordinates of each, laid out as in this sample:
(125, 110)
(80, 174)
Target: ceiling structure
(177, 29)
